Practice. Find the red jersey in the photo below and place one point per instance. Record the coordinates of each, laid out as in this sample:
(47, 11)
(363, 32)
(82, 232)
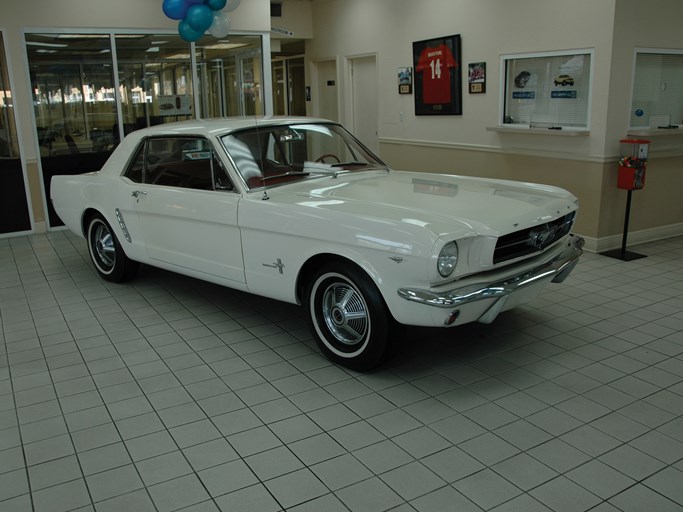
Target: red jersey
(435, 65)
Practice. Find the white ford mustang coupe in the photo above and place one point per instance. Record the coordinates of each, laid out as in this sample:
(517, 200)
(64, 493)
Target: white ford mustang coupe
(296, 209)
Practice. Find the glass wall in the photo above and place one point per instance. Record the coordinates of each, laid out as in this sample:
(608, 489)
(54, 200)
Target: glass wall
(73, 92)
(14, 210)
(155, 80)
(74, 103)
(230, 75)
(90, 89)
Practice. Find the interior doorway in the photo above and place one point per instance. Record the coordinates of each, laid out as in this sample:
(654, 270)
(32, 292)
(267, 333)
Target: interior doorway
(289, 87)
(365, 100)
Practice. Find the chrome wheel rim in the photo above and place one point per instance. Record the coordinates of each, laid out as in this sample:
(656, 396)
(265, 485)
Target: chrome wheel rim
(345, 313)
(103, 245)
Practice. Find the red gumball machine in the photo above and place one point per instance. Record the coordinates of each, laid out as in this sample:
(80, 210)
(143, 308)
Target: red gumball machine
(632, 166)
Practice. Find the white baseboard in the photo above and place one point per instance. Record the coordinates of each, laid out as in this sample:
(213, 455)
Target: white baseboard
(634, 238)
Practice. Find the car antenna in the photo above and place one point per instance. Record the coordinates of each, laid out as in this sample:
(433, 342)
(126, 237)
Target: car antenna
(265, 196)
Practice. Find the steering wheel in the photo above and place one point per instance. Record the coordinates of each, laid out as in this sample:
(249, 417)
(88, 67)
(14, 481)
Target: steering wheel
(322, 158)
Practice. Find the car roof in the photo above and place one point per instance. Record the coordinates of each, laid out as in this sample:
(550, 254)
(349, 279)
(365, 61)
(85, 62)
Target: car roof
(222, 125)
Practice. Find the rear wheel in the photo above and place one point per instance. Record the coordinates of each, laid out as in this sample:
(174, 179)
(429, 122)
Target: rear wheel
(106, 253)
(348, 316)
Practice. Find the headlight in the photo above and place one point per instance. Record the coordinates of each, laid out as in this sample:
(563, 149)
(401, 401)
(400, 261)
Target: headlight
(448, 257)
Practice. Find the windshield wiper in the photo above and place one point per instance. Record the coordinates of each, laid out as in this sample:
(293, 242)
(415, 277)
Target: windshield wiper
(284, 175)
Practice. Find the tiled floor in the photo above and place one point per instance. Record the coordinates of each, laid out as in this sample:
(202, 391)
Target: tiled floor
(168, 393)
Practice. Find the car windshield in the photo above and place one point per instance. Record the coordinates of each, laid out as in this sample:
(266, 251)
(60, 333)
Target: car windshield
(274, 154)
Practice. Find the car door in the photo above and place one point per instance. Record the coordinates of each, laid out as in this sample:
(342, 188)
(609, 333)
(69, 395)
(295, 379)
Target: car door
(186, 208)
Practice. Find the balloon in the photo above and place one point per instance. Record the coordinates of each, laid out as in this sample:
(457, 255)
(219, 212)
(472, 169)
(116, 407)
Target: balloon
(175, 9)
(199, 17)
(188, 33)
(231, 5)
(215, 5)
(220, 26)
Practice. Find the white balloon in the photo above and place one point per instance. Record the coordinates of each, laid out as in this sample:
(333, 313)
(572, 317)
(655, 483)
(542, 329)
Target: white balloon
(231, 5)
(220, 26)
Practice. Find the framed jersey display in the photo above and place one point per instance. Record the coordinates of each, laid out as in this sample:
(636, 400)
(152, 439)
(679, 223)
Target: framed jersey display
(438, 76)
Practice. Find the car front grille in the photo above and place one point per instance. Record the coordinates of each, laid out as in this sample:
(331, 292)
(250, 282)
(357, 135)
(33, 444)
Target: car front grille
(532, 240)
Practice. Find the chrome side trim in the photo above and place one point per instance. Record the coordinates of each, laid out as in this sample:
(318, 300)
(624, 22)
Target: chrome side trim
(119, 218)
(557, 270)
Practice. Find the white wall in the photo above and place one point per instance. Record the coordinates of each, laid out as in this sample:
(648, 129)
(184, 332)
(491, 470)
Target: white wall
(652, 24)
(488, 29)
(296, 18)
(144, 14)
(491, 28)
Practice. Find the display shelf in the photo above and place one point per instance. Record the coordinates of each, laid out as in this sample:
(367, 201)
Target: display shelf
(655, 132)
(566, 132)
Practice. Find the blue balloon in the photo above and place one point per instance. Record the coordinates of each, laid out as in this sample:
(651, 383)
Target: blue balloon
(175, 9)
(215, 5)
(199, 17)
(188, 33)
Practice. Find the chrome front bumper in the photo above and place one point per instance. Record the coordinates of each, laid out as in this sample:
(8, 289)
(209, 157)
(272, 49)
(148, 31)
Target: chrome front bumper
(556, 270)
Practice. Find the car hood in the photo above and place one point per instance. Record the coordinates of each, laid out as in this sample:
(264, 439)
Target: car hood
(442, 203)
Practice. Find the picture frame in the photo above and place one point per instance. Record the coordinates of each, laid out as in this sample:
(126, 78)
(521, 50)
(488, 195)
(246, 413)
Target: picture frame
(405, 80)
(438, 76)
(476, 77)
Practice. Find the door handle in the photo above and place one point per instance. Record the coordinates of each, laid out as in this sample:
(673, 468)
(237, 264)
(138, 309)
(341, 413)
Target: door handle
(136, 194)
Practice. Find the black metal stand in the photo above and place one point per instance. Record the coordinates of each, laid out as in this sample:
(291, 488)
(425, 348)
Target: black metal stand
(623, 254)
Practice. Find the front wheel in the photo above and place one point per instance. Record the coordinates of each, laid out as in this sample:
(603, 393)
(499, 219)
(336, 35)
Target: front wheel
(106, 253)
(348, 316)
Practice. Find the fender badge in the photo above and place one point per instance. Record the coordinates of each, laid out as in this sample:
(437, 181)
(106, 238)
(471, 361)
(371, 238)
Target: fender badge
(278, 265)
(397, 259)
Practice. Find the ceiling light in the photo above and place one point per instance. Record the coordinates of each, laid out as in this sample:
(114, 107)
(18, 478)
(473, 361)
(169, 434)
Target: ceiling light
(47, 45)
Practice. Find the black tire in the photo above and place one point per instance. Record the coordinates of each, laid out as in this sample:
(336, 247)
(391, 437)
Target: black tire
(106, 253)
(348, 317)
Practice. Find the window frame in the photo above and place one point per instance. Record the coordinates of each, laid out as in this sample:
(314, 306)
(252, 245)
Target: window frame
(633, 107)
(506, 86)
(217, 168)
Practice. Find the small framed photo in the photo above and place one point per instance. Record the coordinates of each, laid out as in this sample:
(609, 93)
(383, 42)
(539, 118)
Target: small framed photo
(405, 80)
(476, 77)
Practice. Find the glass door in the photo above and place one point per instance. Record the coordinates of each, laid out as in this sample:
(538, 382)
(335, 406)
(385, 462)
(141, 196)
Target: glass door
(155, 80)
(289, 87)
(74, 103)
(230, 76)
(14, 208)
(296, 86)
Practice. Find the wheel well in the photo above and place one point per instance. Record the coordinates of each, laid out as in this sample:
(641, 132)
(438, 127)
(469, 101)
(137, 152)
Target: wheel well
(87, 215)
(313, 264)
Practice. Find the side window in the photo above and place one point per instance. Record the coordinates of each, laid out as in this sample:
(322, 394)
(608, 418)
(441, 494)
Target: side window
(186, 162)
(221, 181)
(137, 165)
